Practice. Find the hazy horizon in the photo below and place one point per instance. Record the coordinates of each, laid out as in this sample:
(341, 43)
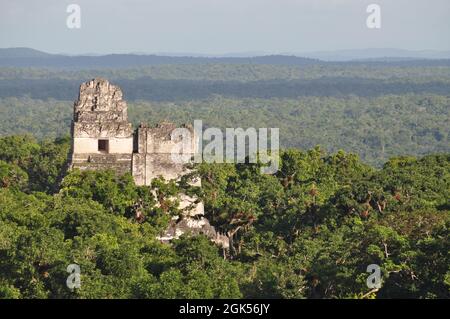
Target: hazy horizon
(236, 54)
(219, 27)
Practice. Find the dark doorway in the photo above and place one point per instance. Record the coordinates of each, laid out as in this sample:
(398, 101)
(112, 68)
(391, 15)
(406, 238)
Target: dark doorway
(103, 146)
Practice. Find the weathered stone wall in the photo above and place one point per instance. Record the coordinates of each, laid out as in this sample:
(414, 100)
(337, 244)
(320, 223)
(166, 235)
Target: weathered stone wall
(153, 158)
(120, 163)
(194, 226)
(101, 113)
(154, 153)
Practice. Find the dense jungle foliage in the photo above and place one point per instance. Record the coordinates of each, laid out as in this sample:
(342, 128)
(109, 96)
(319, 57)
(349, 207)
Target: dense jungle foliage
(376, 191)
(376, 110)
(309, 231)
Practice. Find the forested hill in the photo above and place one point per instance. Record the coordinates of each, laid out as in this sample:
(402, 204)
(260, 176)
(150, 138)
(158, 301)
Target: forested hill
(379, 195)
(308, 231)
(375, 109)
(25, 57)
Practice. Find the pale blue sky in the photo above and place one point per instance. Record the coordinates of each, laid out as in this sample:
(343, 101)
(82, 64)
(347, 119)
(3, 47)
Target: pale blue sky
(223, 26)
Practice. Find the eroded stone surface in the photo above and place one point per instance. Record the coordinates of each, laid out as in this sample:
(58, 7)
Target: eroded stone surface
(100, 114)
(194, 226)
(100, 111)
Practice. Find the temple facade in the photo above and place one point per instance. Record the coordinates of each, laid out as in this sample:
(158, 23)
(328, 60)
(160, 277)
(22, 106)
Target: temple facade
(103, 138)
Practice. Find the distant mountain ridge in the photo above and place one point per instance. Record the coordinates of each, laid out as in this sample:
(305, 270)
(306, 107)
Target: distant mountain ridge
(379, 54)
(23, 57)
(7, 53)
(26, 57)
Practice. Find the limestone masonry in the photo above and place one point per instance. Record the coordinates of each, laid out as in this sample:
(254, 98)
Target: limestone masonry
(103, 138)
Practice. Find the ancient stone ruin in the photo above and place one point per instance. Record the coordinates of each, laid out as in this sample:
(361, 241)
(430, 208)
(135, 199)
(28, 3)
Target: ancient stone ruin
(101, 134)
(102, 138)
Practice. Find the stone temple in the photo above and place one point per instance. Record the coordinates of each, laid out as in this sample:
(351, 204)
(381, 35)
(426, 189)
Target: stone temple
(103, 138)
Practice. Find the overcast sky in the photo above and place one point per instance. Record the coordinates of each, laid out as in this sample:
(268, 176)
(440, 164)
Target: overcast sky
(223, 26)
